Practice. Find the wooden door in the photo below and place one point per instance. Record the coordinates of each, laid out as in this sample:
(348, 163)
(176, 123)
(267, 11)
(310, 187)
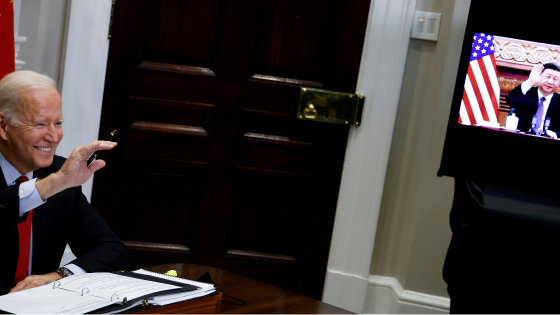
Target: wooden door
(212, 166)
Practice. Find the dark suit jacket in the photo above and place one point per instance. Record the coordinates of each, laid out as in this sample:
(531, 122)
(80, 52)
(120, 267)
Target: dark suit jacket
(503, 256)
(66, 218)
(526, 106)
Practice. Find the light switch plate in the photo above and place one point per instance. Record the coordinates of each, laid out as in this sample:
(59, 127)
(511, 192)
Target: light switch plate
(425, 25)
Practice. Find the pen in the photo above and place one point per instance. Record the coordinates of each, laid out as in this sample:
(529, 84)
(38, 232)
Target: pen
(93, 156)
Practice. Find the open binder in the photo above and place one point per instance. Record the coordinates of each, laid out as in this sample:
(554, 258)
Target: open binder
(125, 304)
(103, 293)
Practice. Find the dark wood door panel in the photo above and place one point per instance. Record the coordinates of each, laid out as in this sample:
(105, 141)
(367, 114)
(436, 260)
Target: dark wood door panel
(269, 214)
(161, 201)
(272, 127)
(182, 32)
(294, 43)
(275, 153)
(167, 145)
(142, 255)
(184, 86)
(212, 165)
(172, 111)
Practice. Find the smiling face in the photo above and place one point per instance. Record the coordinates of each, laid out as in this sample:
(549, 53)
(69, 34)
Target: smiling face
(549, 81)
(32, 143)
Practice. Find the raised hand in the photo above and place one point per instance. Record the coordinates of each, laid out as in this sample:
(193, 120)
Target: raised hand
(535, 74)
(74, 172)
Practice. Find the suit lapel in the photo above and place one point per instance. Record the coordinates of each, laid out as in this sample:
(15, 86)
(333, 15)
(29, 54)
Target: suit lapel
(2, 179)
(554, 101)
(42, 225)
(8, 263)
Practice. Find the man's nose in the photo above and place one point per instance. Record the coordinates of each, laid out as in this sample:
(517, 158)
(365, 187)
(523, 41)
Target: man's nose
(52, 134)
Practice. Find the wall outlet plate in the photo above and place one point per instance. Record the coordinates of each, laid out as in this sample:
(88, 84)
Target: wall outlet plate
(425, 25)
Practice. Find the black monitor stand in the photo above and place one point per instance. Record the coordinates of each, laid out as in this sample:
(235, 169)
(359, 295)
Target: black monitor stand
(504, 256)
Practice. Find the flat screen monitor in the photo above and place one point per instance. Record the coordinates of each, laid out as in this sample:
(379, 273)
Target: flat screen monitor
(504, 121)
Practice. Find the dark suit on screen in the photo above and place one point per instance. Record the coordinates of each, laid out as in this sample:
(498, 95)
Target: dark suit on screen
(526, 106)
(66, 218)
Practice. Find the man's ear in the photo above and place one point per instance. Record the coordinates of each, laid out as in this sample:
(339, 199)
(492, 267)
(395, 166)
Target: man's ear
(4, 125)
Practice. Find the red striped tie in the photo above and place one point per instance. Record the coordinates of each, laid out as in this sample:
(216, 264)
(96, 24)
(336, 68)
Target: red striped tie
(24, 231)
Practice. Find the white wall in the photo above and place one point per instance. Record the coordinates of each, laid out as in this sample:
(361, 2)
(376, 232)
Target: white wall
(414, 234)
(42, 22)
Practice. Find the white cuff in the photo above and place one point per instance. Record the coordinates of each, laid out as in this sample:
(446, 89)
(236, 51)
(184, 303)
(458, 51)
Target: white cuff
(525, 87)
(28, 197)
(75, 269)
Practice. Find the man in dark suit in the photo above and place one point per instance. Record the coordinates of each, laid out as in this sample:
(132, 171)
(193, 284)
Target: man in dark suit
(539, 100)
(42, 207)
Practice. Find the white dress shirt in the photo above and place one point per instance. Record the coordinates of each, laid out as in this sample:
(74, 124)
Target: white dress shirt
(28, 199)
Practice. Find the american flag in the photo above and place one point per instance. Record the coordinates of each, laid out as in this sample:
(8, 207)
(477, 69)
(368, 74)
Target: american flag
(481, 96)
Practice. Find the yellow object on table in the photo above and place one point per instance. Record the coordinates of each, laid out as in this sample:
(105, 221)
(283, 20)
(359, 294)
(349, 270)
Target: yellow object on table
(172, 273)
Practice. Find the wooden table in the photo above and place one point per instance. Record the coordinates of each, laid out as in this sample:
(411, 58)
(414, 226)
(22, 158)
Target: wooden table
(260, 298)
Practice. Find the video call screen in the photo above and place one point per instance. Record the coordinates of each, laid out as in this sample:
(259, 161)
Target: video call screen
(506, 82)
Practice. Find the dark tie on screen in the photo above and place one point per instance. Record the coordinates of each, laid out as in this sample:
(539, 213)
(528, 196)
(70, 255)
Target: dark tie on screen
(24, 231)
(540, 114)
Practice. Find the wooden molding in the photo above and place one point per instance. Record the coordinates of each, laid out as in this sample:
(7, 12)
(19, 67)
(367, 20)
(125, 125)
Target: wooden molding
(171, 103)
(267, 172)
(284, 81)
(233, 253)
(170, 129)
(507, 84)
(276, 140)
(157, 247)
(523, 54)
(397, 298)
(367, 154)
(173, 68)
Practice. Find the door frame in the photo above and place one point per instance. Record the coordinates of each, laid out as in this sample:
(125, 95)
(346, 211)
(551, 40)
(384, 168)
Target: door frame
(84, 63)
(367, 152)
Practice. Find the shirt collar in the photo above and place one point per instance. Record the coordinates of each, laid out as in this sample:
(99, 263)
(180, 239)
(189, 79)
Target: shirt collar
(10, 172)
(547, 98)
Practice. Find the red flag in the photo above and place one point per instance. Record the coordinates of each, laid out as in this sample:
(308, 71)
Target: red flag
(7, 50)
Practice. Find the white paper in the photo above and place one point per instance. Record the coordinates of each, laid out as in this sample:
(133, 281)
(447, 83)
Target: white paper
(79, 294)
(203, 289)
(105, 285)
(179, 297)
(46, 300)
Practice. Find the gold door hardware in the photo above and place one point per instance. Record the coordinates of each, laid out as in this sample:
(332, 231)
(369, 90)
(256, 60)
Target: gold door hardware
(330, 107)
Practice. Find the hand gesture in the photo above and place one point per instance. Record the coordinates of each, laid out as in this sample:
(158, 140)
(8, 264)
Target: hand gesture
(535, 74)
(74, 172)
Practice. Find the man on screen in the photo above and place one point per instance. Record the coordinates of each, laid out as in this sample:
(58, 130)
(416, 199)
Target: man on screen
(539, 100)
(42, 207)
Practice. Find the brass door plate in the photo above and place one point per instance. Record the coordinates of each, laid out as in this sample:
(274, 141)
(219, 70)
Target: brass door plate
(330, 107)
